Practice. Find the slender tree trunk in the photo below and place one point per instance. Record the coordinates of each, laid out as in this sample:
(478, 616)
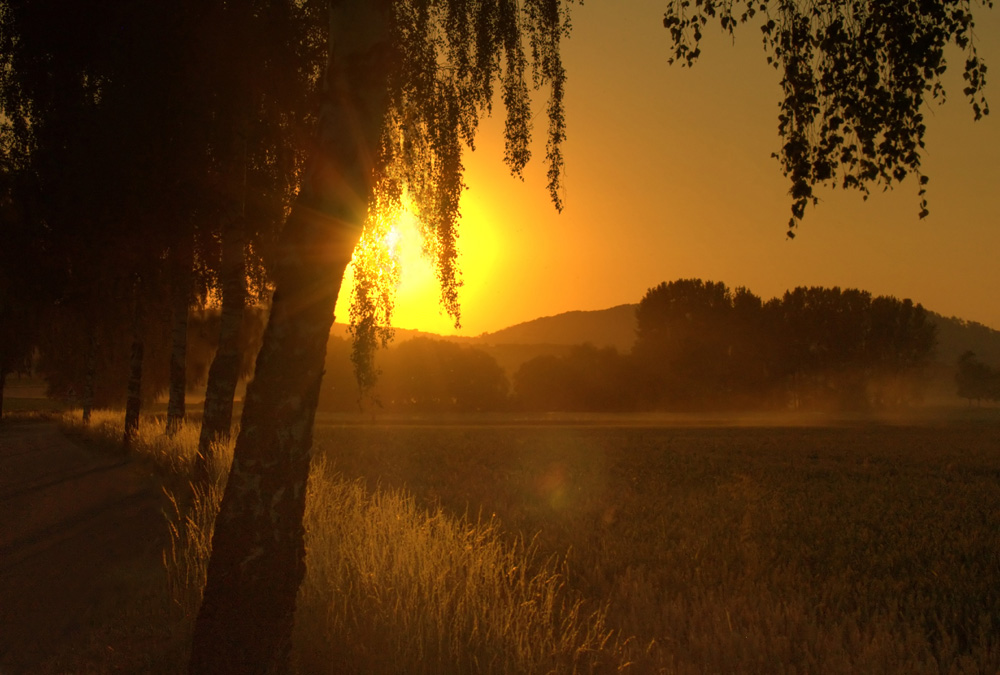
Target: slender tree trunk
(183, 261)
(223, 374)
(258, 556)
(90, 375)
(133, 403)
(3, 383)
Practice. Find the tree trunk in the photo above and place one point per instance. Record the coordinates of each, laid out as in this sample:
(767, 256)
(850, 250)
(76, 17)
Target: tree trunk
(3, 382)
(183, 261)
(89, 375)
(134, 401)
(217, 418)
(258, 556)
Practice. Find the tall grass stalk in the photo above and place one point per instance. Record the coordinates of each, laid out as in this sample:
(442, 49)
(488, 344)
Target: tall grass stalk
(390, 587)
(393, 588)
(173, 457)
(841, 550)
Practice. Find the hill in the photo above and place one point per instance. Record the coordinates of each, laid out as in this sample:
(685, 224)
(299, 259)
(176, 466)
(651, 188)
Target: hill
(512, 346)
(956, 336)
(613, 327)
(404, 334)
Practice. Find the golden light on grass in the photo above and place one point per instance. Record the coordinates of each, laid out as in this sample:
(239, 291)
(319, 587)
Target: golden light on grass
(705, 550)
(390, 586)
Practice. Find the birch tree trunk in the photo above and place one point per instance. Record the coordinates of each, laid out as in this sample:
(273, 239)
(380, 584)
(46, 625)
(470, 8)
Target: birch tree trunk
(258, 556)
(183, 262)
(3, 383)
(134, 401)
(90, 374)
(223, 374)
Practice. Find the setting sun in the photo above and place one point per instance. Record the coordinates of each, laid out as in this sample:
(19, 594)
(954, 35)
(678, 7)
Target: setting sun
(395, 250)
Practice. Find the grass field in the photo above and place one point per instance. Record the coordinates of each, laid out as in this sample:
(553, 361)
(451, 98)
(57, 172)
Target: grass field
(603, 547)
(853, 548)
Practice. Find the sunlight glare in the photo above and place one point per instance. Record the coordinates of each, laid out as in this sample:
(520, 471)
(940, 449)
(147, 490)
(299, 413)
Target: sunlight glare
(418, 294)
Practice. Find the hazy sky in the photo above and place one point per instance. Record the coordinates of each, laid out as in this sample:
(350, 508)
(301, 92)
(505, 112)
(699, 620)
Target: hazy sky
(669, 175)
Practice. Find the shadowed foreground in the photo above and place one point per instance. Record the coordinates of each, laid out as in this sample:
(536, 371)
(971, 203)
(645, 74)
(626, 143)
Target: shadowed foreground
(80, 553)
(718, 546)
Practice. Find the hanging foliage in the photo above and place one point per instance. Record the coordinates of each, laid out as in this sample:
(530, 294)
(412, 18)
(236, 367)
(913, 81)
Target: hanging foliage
(455, 55)
(856, 76)
(376, 277)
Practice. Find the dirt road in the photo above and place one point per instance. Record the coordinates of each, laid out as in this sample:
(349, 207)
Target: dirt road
(80, 538)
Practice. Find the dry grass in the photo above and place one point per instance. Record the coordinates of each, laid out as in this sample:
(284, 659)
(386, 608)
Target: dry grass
(869, 548)
(172, 456)
(392, 587)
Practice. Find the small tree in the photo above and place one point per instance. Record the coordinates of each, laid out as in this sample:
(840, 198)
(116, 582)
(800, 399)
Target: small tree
(975, 380)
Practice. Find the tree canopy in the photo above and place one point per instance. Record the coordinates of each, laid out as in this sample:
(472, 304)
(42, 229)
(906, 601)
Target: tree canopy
(856, 77)
(976, 380)
(456, 59)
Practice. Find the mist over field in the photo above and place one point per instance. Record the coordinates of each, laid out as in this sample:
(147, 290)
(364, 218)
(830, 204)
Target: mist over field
(690, 346)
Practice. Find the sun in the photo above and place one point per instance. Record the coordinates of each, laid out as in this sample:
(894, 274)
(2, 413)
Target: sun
(394, 250)
(391, 259)
(377, 254)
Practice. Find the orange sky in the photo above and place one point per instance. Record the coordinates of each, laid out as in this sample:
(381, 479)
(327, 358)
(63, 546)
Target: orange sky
(669, 175)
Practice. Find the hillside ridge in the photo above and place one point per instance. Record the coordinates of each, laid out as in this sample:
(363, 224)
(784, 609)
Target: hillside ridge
(615, 327)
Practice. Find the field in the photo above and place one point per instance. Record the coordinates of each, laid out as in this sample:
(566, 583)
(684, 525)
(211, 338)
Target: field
(561, 546)
(859, 547)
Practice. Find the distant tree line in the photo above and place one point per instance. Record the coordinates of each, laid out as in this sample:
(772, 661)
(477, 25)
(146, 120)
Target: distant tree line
(976, 380)
(421, 375)
(699, 346)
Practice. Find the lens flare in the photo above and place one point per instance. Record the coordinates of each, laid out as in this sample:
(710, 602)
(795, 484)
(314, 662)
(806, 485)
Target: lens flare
(553, 486)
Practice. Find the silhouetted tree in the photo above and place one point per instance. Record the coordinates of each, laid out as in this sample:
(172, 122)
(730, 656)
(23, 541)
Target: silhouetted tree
(104, 141)
(825, 331)
(182, 287)
(261, 86)
(94, 362)
(752, 353)
(976, 380)
(587, 379)
(899, 348)
(699, 345)
(683, 342)
(429, 375)
(855, 77)
(847, 349)
(24, 294)
(392, 116)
